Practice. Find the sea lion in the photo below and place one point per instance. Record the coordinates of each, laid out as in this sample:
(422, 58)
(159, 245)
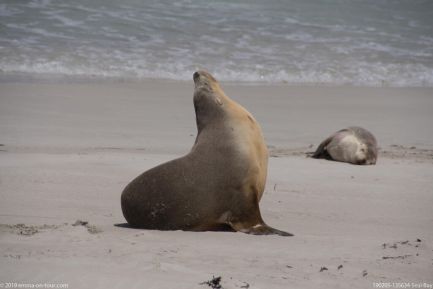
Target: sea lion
(354, 145)
(218, 184)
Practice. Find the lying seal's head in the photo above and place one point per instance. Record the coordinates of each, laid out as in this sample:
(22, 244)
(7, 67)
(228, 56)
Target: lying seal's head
(209, 98)
(366, 154)
(367, 146)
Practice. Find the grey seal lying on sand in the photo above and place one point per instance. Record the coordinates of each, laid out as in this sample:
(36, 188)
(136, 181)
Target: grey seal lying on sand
(354, 145)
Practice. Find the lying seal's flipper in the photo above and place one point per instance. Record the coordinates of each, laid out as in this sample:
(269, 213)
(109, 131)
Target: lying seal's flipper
(321, 152)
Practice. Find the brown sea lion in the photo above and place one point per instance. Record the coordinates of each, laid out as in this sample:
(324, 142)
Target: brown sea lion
(354, 145)
(218, 184)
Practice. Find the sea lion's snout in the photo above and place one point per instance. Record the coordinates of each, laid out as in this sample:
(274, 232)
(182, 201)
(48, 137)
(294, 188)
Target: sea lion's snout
(196, 76)
(371, 159)
(206, 88)
(203, 76)
(200, 81)
(200, 76)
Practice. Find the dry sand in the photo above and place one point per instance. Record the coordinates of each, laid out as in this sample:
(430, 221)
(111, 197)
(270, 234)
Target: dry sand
(68, 149)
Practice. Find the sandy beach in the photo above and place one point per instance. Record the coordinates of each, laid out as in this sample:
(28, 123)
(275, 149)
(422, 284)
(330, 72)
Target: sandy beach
(67, 150)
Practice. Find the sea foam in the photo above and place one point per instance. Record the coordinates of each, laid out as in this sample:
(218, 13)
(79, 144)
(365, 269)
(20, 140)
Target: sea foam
(332, 42)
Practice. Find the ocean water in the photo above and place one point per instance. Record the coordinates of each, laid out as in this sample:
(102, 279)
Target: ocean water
(332, 42)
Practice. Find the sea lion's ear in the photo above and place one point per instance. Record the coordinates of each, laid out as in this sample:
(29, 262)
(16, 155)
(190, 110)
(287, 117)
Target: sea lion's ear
(218, 100)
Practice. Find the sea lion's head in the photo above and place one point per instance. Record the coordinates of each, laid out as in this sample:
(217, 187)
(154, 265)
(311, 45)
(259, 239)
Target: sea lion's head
(367, 146)
(209, 98)
(371, 154)
(366, 154)
(207, 88)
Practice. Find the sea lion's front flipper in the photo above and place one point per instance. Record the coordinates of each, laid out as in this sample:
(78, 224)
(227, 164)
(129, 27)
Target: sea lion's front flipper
(263, 229)
(251, 222)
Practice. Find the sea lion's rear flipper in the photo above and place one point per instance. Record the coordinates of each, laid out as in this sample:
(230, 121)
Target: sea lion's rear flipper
(321, 152)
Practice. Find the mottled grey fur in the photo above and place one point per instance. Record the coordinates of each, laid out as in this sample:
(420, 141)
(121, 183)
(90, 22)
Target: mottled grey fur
(354, 145)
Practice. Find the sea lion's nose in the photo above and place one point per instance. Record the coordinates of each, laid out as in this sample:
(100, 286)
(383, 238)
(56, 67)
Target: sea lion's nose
(196, 75)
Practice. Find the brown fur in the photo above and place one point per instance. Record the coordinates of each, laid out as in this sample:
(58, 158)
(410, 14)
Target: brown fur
(218, 184)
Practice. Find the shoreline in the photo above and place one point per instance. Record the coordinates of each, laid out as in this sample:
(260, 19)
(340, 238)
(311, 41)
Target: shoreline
(45, 78)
